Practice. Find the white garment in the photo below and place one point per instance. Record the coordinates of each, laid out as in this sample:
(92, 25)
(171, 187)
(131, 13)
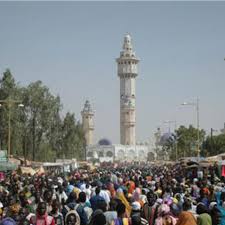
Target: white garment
(62, 196)
(105, 195)
(88, 193)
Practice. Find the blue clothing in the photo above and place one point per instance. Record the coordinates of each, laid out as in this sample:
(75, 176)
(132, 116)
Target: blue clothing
(82, 214)
(69, 189)
(221, 209)
(94, 201)
(222, 215)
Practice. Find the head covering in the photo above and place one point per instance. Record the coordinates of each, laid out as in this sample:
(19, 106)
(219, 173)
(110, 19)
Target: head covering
(69, 189)
(211, 205)
(76, 190)
(164, 209)
(136, 206)
(8, 221)
(136, 194)
(76, 215)
(120, 195)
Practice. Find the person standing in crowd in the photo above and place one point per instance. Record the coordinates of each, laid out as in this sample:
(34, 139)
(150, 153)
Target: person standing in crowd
(186, 217)
(204, 218)
(82, 209)
(96, 198)
(122, 218)
(55, 213)
(42, 217)
(111, 214)
(136, 212)
(149, 207)
(72, 218)
(98, 218)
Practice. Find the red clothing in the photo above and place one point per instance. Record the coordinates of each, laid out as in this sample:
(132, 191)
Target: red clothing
(42, 220)
(131, 187)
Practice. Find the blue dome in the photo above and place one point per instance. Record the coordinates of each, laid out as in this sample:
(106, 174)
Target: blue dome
(166, 137)
(104, 141)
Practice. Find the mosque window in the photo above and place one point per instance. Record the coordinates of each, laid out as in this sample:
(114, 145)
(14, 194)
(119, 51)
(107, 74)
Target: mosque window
(129, 62)
(101, 154)
(127, 55)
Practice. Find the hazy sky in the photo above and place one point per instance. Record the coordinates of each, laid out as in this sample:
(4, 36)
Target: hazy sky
(72, 46)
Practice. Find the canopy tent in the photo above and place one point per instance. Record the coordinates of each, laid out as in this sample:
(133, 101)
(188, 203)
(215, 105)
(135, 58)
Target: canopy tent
(26, 170)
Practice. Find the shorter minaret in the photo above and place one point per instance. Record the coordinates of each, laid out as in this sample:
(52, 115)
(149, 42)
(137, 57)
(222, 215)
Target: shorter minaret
(88, 123)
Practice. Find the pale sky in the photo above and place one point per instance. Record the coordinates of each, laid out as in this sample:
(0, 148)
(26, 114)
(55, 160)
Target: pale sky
(72, 46)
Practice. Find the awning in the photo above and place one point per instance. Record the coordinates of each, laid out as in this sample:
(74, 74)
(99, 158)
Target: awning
(6, 166)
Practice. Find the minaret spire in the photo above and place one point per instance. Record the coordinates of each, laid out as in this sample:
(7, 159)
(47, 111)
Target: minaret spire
(127, 72)
(88, 123)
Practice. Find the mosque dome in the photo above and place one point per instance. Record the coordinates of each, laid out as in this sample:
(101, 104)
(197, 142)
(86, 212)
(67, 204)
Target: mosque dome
(104, 141)
(166, 137)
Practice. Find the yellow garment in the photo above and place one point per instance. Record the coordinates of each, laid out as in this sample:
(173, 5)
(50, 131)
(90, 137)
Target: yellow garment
(77, 191)
(28, 195)
(175, 201)
(124, 201)
(125, 221)
(159, 192)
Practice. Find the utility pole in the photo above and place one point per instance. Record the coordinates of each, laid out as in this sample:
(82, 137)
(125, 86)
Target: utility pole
(211, 140)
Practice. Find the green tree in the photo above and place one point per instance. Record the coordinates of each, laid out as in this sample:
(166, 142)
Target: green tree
(187, 140)
(213, 146)
(40, 109)
(73, 138)
(38, 130)
(9, 90)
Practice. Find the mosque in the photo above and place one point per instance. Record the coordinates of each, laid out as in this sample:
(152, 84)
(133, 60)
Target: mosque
(128, 149)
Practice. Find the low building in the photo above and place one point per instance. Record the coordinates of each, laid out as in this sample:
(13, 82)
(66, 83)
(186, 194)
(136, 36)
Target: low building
(104, 151)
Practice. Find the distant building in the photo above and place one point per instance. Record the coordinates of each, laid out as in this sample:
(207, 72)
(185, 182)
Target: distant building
(88, 122)
(127, 150)
(107, 152)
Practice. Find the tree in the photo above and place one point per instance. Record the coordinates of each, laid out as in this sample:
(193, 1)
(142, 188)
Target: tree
(213, 146)
(73, 137)
(187, 140)
(9, 89)
(40, 108)
(38, 130)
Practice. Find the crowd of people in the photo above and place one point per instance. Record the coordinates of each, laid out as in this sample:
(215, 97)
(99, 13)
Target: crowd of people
(131, 195)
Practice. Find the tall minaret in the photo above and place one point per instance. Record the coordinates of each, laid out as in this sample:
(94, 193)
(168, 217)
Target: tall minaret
(127, 71)
(88, 123)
